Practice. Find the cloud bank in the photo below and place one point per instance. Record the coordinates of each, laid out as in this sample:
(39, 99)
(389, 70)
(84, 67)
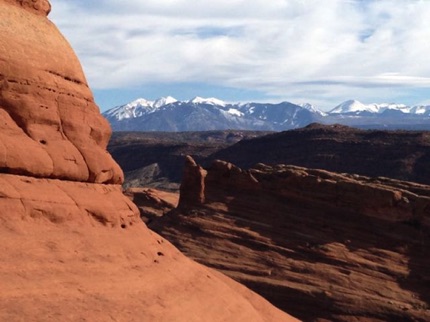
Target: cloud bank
(322, 52)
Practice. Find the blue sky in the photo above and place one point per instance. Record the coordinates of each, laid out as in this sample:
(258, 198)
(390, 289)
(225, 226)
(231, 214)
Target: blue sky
(319, 52)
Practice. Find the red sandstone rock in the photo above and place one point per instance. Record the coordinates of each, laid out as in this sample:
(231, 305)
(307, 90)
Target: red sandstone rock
(71, 250)
(228, 175)
(42, 7)
(47, 110)
(323, 246)
(152, 202)
(192, 186)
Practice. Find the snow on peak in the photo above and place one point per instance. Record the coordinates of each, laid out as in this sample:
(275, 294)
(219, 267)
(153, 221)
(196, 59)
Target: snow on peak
(139, 102)
(164, 101)
(235, 112)
(420, 109)
(312, 108)
(141, 107)
(133, 109)
(143, 103)
(392, 106)
(353, 106)
(210, 101)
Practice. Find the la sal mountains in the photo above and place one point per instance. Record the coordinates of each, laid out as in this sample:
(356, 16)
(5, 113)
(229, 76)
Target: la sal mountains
(203, 114)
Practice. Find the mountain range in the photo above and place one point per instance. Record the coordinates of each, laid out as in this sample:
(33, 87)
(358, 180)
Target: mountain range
(203, 114)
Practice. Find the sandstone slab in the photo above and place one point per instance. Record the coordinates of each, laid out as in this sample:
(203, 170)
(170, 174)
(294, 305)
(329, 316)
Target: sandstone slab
(78, 251)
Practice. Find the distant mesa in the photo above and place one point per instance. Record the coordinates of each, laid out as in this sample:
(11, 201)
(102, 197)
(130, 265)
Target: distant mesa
(403, 155)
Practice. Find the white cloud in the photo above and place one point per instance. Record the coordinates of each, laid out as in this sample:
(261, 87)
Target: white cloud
(292, 49)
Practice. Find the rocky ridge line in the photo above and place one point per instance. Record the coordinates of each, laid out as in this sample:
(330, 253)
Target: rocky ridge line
(346, 247)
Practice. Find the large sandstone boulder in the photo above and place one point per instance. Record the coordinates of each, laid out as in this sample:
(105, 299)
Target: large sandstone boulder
(50, 125)
(72, 246)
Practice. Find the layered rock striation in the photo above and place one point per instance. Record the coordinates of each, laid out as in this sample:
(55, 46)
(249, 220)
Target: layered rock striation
(403, 155)
(50, 125)
(320, 245)
(72, 246)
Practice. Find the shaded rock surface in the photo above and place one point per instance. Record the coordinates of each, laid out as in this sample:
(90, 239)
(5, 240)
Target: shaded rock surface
(72, 246)
(320, 245)
(192, 191)
(152, 202)
(156, 159)
(402, 155)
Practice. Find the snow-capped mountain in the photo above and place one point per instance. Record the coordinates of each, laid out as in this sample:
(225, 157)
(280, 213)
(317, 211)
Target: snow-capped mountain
(137, 108)
(354, 106)
(164, 101)
(198, 114)
(202, 114)
(209, 101)
(381, 115)
(312, 109)
(420, 110)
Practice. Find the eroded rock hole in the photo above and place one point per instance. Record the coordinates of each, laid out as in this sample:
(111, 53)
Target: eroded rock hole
(123, 226)
(42, 142)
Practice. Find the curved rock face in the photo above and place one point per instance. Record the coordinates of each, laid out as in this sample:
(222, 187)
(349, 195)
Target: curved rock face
(42, 7)
(78, 251)
(72, 245)
(50, 125)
